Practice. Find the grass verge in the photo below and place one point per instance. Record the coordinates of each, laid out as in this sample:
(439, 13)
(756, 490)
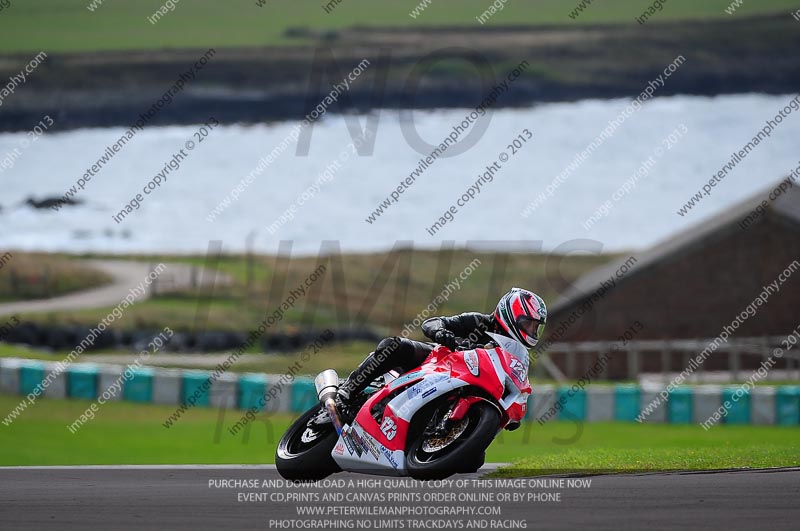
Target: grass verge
(631, 447)
(51, 24)
(126, 433)
(377, 289)
(25, 276)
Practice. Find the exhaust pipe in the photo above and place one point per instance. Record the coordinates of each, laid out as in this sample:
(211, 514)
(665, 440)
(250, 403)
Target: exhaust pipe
(326, 384)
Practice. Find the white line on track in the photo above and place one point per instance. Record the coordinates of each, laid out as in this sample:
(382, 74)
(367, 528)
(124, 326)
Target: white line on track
(485, 468)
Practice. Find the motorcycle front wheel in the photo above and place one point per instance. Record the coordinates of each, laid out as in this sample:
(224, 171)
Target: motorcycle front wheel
(304, 451)
(460, 449)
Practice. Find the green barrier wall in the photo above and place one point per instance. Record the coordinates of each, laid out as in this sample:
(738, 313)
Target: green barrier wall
(251, 388)
(739, 410)
(192, 383)
(140, 387)
(679, 406)
(304, 395)
(82, 382)
(31, 374)
(626, 402)
(787, 406)
(575, 405)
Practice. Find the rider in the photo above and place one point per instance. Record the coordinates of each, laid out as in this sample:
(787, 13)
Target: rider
(520, 314)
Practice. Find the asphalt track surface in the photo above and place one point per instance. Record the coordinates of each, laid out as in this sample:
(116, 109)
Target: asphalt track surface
(168, 497)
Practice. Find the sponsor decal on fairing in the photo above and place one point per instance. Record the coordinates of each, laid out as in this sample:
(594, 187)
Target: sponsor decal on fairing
(471, 360)
(429, 392)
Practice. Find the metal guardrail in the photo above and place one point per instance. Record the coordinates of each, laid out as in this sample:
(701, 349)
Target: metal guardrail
(576, 356)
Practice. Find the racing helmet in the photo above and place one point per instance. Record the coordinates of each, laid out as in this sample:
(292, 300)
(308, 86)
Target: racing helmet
(522, 314)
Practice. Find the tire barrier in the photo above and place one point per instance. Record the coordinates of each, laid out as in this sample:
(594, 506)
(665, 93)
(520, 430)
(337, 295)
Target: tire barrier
(64, 338)
(761, 405)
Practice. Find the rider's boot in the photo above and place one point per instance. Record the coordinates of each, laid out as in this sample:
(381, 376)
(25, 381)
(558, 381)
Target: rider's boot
(382, 360)
(358, 380)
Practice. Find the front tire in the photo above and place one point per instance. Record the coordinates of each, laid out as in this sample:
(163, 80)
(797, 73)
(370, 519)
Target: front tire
(430, 457)
(304, 451)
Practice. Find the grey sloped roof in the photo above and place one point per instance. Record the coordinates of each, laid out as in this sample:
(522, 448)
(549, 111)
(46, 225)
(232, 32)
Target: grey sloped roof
(786, 206)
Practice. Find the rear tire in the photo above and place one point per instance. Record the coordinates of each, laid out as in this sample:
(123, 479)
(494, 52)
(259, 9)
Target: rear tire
(304, 452)
(465, 453)
(476, 465)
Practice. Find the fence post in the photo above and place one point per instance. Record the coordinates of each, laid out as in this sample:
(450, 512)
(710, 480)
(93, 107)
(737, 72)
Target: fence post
(701, 369)
(571, 361)
(666, 360)
(766, 354)
(734, 362)
(604, 371)
(633, 364)
(687, 358)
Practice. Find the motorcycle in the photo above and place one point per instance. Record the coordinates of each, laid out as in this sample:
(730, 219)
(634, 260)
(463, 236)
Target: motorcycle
(429, 423)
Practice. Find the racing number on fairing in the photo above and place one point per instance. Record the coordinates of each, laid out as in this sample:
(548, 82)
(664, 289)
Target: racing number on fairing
(389, 428)
(518, 369)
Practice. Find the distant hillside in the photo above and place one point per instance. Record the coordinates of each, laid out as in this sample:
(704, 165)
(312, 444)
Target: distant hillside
(566, 62)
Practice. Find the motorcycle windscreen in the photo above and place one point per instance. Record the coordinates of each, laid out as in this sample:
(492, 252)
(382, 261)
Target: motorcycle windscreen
(513, 347)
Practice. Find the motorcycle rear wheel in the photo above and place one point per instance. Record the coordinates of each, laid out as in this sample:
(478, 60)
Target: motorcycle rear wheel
(430, 457)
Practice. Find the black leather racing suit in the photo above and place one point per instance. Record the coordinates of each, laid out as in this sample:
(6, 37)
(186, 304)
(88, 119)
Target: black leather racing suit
(404, 354)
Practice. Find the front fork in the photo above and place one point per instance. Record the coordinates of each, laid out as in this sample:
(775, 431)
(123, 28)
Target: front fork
(458, 409)
(463, 404)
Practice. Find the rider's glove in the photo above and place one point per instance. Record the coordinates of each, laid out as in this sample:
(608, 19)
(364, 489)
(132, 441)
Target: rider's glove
(447, 338)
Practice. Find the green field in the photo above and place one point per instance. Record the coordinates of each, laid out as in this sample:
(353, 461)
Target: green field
(67, 25)
(25, 276)
(365, 290)
(631, 447)
(125, 433)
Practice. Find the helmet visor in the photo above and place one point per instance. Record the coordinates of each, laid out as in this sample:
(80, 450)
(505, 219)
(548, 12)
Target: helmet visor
(532, 327)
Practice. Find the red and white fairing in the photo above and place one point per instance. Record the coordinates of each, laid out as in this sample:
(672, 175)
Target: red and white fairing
(378, 446)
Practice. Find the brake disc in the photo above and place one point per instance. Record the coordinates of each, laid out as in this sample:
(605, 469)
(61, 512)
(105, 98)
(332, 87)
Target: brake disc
(323, 417)
(438, 442)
